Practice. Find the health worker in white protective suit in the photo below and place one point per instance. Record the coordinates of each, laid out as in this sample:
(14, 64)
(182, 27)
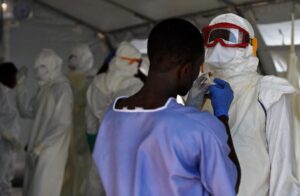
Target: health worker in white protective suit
(80, 63)
(9, 127)
(118, 81)
(50, 135)
(260, 114)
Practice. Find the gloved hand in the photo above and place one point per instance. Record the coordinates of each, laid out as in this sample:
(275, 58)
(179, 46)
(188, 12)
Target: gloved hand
(221, 97)
(34, 155)
(199, 89)
(22, 75)
(12, 141)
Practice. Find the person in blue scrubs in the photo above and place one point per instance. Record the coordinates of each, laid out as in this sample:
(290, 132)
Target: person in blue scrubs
(148, 144)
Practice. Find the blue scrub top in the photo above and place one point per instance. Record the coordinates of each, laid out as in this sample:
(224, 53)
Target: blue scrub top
(172, 150)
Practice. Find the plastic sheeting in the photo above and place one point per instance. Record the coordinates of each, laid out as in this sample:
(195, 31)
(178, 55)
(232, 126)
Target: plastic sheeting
(294, 79)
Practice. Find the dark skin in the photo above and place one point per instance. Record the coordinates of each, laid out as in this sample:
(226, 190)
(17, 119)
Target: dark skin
(159, 87)
(153, 94)
(10, 81)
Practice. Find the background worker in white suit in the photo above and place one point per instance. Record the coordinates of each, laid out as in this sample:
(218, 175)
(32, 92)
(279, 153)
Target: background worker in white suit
(118, 81)
(80, 63)
(9, 127)
(50, 135)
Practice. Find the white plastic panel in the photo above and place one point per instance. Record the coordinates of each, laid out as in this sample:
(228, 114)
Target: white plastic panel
(275, 12)
(279, 34)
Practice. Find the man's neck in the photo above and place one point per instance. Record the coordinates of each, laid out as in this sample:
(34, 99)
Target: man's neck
(154, 94)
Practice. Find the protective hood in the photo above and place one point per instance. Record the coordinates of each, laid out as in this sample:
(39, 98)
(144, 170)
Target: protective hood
(81, 58)
(144, 68)
(125, 59)
(121, 71)
(48, 66)
(229, 62)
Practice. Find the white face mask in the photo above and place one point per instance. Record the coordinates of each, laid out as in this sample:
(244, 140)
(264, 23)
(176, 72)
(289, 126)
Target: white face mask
(230, 61)
(41, 72)
(219, 56)
(73, 62)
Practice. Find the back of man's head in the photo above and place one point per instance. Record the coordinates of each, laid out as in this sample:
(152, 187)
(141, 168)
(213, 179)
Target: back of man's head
(8, 73)
(174, 42)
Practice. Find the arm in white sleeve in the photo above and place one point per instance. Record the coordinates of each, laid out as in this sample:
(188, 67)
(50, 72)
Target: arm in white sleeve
(279, 130)
(97, 104)
(92, 122)
(9, 120)
(25, 103)
(9, 124)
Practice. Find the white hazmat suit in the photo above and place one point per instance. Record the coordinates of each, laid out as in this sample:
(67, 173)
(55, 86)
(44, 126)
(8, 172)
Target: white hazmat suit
(51, 130)
(80, 63)
(9, 129)
(259, 118)
(119, 81)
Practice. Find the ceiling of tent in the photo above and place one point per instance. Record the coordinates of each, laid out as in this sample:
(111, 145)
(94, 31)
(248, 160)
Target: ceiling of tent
(112, 15)
(125, 19)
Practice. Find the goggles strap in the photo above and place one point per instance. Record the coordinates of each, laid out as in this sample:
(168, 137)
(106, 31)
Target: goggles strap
(254, 44)
(131, 60)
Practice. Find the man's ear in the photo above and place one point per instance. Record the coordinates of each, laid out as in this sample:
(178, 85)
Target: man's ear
(184, 70)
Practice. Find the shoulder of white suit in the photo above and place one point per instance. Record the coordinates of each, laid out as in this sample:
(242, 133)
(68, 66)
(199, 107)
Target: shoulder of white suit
(62, 86)
(272, 89)
(101, 83)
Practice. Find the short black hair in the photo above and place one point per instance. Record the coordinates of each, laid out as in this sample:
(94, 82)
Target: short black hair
(7, 71)
(174, 42)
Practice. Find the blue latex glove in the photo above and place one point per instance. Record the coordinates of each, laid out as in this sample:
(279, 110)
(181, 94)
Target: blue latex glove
(221, 97)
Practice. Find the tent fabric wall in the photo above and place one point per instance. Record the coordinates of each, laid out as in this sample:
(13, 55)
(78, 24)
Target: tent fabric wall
(48, 29)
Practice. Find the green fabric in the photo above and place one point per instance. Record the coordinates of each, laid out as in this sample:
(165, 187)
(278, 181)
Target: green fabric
(91, 140)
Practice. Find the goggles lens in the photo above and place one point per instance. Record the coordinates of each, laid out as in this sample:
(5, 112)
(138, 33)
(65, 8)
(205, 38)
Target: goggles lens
(226, 34)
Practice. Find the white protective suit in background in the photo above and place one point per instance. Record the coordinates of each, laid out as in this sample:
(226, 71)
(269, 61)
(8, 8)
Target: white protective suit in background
(80, 63)
(260, 118)
(119, 81)
(9, 129)
(51, 130)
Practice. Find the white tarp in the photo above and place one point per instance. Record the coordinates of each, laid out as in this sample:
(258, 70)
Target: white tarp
(279, 34)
